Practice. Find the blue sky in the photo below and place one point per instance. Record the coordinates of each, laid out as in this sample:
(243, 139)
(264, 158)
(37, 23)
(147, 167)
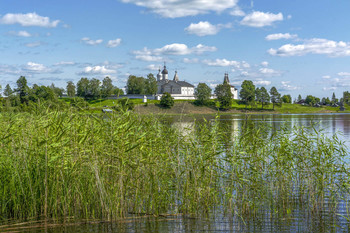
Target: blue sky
(300, 47)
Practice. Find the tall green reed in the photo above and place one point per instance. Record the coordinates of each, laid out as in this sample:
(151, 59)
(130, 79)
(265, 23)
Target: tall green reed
(57, 164)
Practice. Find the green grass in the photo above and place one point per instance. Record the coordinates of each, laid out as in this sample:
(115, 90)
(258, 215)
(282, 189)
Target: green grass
(71, 164)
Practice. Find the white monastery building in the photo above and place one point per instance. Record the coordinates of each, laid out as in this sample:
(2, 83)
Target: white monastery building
(178, 89)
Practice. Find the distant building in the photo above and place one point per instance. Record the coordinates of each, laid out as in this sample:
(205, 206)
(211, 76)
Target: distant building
(178, 89)
(234, 90)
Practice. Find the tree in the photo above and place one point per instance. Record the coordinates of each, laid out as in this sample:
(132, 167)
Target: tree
(135, 85)
(299, 98)
(117, 91)
(151, 86)
(88, 89)
(166, 101)
(224, 95)
(70, 89)
(94, 87)
(262, 96)
(275, 97)
(311, 100)
(107, 87)
(8, 91)
(202, 93)
(334, 99)
(247, 93)
(346, 97)
(22, 89)
(83, 88)
(287, 99)
(58, 91)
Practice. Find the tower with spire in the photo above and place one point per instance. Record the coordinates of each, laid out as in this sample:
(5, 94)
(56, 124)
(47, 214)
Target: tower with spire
(234, 90)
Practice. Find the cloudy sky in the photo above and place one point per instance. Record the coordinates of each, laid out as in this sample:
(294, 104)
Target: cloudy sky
(300, 47)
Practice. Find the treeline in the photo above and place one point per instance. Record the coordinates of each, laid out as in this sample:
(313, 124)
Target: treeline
(249, 95)
(23, 96)
(141, 85)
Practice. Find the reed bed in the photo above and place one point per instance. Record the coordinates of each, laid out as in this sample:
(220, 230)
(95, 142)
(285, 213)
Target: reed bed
(60, 164)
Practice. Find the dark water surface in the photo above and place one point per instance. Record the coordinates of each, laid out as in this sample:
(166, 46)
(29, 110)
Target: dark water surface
(300, 221)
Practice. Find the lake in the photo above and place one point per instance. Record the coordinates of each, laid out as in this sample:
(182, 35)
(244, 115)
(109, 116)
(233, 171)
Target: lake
(297, 220)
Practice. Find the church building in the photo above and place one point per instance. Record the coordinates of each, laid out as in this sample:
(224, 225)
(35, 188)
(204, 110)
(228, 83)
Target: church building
(234, 90)
(178, 89)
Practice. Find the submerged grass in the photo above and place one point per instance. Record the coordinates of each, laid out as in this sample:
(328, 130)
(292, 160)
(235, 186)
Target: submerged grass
(89, 166)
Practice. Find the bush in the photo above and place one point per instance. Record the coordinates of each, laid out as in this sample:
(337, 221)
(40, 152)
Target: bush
(166, 101)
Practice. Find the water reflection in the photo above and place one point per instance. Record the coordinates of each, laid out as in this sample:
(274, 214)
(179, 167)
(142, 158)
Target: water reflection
(328, 124)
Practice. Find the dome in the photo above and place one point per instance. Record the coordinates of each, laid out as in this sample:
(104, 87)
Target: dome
(165, 71)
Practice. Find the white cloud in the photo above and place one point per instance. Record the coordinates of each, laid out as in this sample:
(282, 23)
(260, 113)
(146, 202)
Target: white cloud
(97, 70)
(286, 86)
(330, 88)
(261, 19)
(269, 72)
(172, 49)
(34, 44)
(153, 67)
(279, 36)
(262, 82)
(225, 63)
(35, 67)
(114, 43)
(205, 28)
(29, 19)
(190, 61)
(264, 63)
(237, 12)
(326, 77)
(20, 33)
(313, 46)
(344, 74)
(65, 63)
(181, 8)
(88, 41)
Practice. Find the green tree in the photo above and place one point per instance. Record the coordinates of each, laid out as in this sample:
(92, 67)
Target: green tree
(247, 93)
(346, 97)
(95, 90)
(151, 86)
(311, 100)
(334, 99)
(58, 91)
(299, 98)
(106, 87)
(287, 99)
(88, 89)
(275, 97)
(8, 90)
(224, 95)
(117, 91)
(135, 85)
(262, 96)
(166, 101)
(83, 88)
(70, 89)
(202, 93)
(22, 89)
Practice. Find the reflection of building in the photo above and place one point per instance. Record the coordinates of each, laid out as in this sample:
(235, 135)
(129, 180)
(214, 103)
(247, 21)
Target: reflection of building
(178, 89)
(233, 88)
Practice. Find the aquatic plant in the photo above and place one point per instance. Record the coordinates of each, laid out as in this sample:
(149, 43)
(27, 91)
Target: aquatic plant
(58, 164)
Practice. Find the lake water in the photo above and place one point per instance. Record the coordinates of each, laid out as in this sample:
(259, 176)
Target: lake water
(326, 222)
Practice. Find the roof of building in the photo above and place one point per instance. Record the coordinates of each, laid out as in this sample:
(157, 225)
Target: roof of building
(180, 83)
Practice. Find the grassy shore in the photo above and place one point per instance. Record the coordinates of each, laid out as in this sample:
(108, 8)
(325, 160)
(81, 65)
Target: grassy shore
(188, 107)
